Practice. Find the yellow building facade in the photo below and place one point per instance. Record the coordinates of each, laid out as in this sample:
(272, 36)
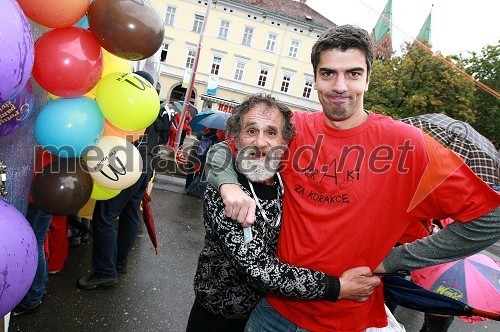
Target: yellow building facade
(245, 49)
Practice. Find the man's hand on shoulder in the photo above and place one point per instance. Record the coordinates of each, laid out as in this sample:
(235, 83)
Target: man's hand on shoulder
(237, 204)
(357, 284)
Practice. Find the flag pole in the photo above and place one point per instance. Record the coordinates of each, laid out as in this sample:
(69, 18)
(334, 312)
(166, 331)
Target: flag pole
(189, 89)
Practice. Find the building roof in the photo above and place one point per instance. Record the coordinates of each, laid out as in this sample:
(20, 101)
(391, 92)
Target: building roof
(383, 25)
(425, 32)
(297, 10)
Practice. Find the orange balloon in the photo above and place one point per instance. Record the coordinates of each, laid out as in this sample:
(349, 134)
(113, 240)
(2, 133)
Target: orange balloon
(55, 13)
(110, 130)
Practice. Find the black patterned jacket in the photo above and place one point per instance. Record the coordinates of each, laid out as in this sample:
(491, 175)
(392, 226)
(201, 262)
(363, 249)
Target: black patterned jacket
(232, 276)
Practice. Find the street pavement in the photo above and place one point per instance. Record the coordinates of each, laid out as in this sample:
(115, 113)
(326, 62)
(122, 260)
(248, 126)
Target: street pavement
(156, 294)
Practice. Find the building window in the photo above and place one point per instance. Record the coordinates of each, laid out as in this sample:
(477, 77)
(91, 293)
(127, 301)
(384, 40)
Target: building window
(223, 29)
(238, 72)
(190, 58)
(247, 36)
(294, 48)
(216, 65)
(164, 52)
(169, 18)
(263, 77)
(198, 23)
(271, 42)
(307, 89)
(285, 83)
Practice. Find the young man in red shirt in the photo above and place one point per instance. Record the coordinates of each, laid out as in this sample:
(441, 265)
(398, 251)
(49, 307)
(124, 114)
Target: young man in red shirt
(354, 180)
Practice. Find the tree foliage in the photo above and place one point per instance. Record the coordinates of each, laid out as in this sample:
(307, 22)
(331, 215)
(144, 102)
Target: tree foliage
(485, 67)
(419, 82)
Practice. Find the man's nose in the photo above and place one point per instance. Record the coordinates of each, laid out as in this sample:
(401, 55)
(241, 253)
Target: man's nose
(260, 140)
(340, 85)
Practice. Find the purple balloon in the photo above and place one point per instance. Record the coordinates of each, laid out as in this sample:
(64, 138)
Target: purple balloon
(16, 50)
(18, 257)
(15, 112)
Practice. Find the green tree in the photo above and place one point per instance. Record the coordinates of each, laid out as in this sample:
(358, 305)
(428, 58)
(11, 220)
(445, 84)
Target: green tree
(417, 82)
(485, 67)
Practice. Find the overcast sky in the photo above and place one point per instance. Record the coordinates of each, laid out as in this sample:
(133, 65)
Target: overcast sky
(457, 26)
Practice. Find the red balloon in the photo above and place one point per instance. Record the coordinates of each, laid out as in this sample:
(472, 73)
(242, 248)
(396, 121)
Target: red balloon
(68, 62)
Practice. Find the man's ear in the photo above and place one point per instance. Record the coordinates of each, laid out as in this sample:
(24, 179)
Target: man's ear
(314, 85)
(367, 84)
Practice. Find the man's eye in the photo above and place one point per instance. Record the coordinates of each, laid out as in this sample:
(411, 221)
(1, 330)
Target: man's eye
(271, 133)
(251, 131)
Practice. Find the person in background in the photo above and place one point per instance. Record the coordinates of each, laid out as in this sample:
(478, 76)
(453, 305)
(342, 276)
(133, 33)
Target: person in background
(235, 270)
(354, 180)
(207, 140)
(163, 126)
(110, 250)
(57, 244)
(40, 222)
(173, 123)
(186, 129)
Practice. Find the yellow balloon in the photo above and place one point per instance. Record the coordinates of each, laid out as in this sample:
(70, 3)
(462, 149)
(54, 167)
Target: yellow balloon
(101, 193)
(127, 100)
(113, 64)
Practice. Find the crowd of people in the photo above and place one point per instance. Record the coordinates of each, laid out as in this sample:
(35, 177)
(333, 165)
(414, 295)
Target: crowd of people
(303, 211)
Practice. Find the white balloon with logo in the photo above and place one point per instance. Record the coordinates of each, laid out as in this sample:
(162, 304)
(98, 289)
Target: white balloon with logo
(114, 163)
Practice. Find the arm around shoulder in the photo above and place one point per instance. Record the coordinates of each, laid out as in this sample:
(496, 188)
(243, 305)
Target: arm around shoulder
(219, 166)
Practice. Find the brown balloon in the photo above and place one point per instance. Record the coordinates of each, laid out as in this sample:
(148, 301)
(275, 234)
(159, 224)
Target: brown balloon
(129, 29)
(63, 187)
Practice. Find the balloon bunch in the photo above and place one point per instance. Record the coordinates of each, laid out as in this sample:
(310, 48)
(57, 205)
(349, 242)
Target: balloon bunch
(96, 106)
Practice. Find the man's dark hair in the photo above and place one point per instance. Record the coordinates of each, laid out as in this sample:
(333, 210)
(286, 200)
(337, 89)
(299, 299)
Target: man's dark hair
(234, 123)
(343, 37)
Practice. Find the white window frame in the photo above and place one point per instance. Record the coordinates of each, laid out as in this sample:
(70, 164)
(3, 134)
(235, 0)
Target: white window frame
(216, 64)
(308, 87)
(223, 29)
(239, 69)
(164, 50)
(190, 57)
(293, 51)
(170, 15)
(198, 23)
(286, 80)
(271, 43)
(264, 74)
(247, 35)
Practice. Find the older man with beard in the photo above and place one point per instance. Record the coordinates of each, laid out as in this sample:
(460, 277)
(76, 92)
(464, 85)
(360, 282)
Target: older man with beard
(236, 268)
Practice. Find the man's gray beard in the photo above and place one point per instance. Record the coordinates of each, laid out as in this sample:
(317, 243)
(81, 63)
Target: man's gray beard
(259, 170)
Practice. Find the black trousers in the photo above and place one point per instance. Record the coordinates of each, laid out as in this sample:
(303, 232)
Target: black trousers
(164, 136)
(202, 320)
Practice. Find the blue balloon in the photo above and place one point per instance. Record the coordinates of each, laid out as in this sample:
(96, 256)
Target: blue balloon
(83, 23)
(67, 127)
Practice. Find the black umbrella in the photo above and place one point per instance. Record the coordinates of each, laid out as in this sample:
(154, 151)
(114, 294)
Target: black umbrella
(410, 295)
